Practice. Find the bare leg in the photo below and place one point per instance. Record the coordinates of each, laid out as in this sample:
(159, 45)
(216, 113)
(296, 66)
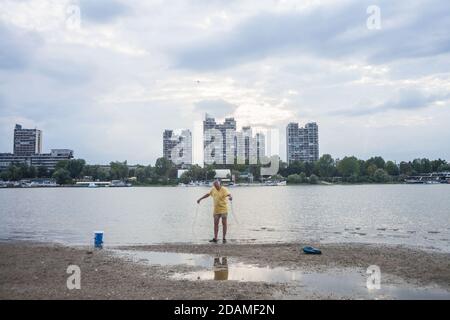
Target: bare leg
(216, 225)
(224, 226)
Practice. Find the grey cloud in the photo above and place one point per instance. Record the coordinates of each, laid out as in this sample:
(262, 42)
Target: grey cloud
(17, 47)
(69, 89)
(67, 70)
(405, 100)
(326, 32)
(102, 11)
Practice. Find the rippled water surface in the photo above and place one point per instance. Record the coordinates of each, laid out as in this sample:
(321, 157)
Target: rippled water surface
(414, 215)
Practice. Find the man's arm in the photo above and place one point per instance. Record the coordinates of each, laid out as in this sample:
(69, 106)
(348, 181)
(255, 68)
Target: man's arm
(230, 197)
(204, 197)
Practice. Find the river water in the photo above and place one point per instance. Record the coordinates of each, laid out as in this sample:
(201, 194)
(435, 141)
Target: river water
(411, 215)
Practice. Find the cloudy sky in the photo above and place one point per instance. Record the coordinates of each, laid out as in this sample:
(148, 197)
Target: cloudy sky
(107, 85)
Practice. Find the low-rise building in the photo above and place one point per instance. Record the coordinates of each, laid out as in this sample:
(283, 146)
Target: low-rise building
(46, 160)
(27, 146)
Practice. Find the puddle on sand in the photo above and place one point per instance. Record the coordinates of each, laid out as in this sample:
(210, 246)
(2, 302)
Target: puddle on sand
(166, 258)
(351, 283)
(334, 283)
(221, 269)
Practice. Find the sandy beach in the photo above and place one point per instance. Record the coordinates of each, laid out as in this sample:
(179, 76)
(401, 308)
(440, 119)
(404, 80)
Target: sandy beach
(38, 271)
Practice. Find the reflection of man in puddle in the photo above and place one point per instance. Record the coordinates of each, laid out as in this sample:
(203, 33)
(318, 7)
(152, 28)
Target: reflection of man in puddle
(219, 195)
(220, 268)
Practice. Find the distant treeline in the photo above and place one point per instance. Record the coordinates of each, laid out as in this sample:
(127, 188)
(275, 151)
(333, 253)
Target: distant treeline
(354, 170)
(348, 169)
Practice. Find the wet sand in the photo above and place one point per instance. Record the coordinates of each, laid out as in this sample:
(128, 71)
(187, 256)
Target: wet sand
(38, 271)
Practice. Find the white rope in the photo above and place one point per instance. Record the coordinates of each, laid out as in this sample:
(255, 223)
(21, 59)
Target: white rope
(195, 221)
(233, 213)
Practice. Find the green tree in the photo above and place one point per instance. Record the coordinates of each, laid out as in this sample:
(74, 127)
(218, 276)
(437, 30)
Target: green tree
(32, 172)
(371, 169)
(210, 172)
(150, 173)
(303, 178)
(405, 168)
(141, 174)
(119, 170)
(426, 166)
(380, 175)
(15, 173)
(75, 167)
(313, 179)
(102, 174)
(438, 165)
(283, 169)
(326, 166)
(96, 172)
(349, 166)
(417, 166)
(391, 168)
(163, 167)
(309, 168)
(4, 175)
(42, 172)
(377, 161)
(293, 179)
(197, 173)
(62, 176)
(185, 177)
(444, 167)
(61, 164)
(24, 170)
(296, 167)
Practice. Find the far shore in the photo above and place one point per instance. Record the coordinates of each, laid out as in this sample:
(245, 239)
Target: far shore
(321, 183)
(38, 270)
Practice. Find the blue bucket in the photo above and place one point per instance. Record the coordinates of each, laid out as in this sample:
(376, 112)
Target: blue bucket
(98, 239)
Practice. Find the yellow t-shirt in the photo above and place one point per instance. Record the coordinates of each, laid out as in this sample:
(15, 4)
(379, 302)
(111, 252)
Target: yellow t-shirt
(220, 199)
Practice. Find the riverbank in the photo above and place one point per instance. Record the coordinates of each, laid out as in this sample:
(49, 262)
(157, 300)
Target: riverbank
(38, 271)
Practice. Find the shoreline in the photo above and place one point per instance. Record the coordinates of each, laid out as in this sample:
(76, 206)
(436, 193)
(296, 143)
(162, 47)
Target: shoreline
(320, 183)
(30, 270)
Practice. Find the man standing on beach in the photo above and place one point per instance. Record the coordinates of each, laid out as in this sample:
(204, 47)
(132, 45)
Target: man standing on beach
(219, 195)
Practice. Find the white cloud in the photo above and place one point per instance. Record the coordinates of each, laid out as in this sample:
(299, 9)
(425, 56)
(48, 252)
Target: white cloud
(133, 69)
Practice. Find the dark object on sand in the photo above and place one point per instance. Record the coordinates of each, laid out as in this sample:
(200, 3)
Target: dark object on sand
(311, 250)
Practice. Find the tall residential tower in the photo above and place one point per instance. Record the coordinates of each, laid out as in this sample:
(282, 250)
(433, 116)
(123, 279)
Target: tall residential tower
(212, 132)
(302, 144)
(177, 147)
(223, 144)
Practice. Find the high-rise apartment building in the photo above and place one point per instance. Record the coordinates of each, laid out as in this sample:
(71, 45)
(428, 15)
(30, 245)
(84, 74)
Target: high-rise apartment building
(27, 142)
(220, 152)
(249, 148)
(223, 144)
(302, 143)
(260, 146)
(177, 147)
